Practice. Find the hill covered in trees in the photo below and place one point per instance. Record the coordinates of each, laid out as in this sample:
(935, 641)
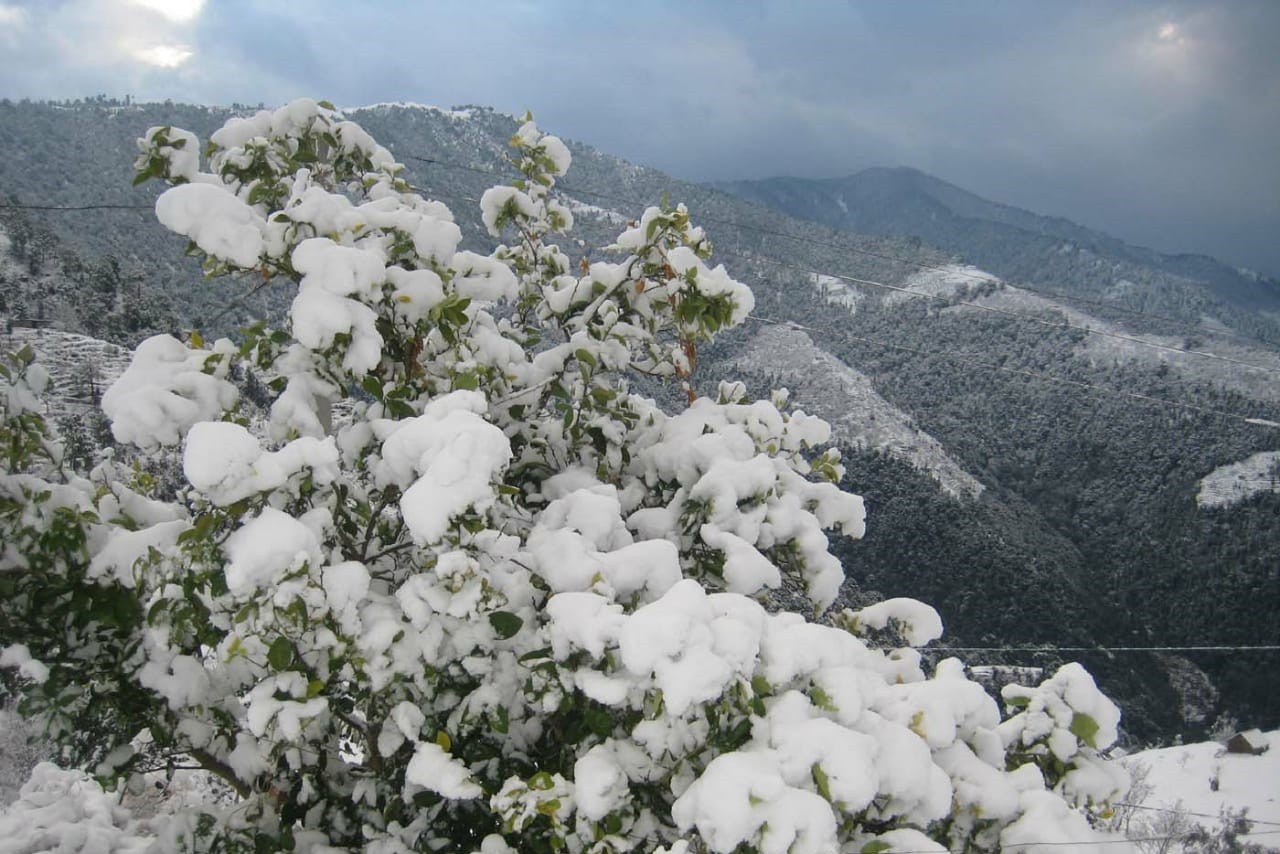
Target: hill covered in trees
(1085, 531)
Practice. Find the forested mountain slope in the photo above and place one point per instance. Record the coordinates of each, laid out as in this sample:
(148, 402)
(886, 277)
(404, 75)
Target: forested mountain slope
(1021, 473)
(1022, 246)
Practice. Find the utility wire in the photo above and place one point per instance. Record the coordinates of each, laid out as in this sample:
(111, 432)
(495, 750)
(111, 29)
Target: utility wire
(838, 247)
(1046, 649)
(1028, 845)
(97, 207)
(1188, 813)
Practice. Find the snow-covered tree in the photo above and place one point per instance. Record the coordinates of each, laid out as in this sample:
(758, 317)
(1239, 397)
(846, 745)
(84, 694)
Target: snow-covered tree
(461, 589)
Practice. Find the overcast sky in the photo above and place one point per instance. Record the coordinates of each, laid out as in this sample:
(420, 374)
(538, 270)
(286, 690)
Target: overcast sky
(1156, 121)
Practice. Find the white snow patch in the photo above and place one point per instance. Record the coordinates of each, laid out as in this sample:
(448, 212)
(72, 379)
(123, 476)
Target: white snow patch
(946, 281)
(1231, 484)
(580, 208)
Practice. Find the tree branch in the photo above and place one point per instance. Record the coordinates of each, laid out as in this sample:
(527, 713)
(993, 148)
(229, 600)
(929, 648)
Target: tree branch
(214, 765)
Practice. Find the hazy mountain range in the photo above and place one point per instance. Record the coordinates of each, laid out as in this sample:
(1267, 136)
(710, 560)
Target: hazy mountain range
(1017, 395)
(1013, 243)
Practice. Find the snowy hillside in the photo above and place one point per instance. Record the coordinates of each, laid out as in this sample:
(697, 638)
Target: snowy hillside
(1222, 361)
(1183, 777)
(1231, 484)
(859, 417)
(80, 367)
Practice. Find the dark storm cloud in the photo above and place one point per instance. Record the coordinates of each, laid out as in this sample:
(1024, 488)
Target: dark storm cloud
(1155, 121)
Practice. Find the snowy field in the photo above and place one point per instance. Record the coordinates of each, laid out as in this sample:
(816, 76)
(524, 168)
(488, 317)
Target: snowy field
(79, 366)
(1231, 484)
(1181, 777)
(946, 281)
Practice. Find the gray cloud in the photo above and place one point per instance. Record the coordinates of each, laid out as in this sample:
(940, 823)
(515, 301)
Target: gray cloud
(1155, 121)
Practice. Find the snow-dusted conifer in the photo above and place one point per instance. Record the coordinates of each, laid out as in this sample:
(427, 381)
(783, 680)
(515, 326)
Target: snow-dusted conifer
(462, 590)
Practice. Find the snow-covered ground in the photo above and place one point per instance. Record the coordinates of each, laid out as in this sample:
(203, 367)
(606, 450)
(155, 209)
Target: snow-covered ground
(838, 292)
(1231, 484)
(825, 386)
(80, 367)
(580, 208)
(1181, 777)
(944, 281)
(1121, 345)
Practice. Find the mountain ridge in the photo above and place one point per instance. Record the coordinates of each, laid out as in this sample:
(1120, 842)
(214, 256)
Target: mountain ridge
(892, 201)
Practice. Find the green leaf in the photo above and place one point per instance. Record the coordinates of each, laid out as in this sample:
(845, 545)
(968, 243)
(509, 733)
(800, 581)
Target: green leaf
(314, 687)
(505, 623)
(876, 847)
(503, 722)
(821, 781)
(599, 721)
(280, 654)
(535, 655)
(584, 356)
(1085, 728)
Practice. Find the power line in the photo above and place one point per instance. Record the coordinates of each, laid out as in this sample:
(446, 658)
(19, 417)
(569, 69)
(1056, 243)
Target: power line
(843, 248)
(1121, 841)
(1185, 812)
(94, 207)
(1108, 649)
